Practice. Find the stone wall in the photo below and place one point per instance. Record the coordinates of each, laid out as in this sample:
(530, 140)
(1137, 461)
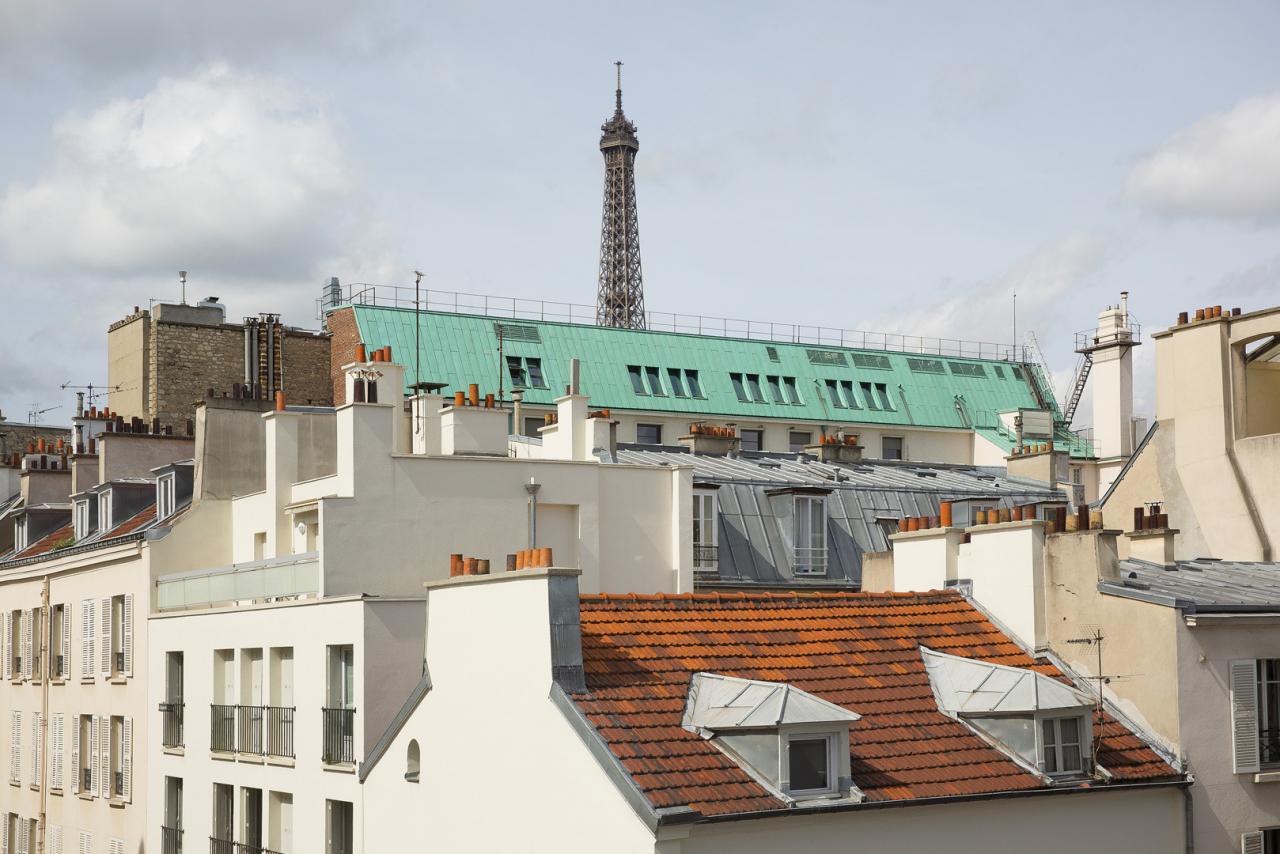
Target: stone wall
(14, 437)
(306, 370)
(344, 335)
(185, 360)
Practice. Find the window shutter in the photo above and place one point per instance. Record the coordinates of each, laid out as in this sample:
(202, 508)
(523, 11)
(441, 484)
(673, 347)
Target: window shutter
(127, 631)
(104, 637)
(23, 835)
(15, 746)
(28, 618)
(4, 834)
(1251, 842)
(55, 839)
(75, 754)
(126, 762)
(56, 743)
(66, 647)
(86, 843)
(8, 636)
(93, 757)
(37, 745)
(86, 639)
(104, 756)
(1246, 753)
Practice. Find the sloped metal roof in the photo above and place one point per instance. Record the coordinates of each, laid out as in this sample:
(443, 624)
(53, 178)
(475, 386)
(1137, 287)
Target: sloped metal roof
(1203, 584)
(718, 702)
(968, 686)
(457, 349)
(752, 550)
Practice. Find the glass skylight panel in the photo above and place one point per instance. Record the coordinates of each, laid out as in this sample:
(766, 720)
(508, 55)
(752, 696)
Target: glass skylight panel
(753, 385)
(691, 377)
(775, 390)
(833, 392)
(870, 398)
(534, 370)
(738, 387)
(677, 388)
(655, 382)
(516, 369)
(793, 394)
(637, 381)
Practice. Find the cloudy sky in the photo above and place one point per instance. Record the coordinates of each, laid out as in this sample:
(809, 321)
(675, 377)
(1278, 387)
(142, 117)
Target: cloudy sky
(899, 167)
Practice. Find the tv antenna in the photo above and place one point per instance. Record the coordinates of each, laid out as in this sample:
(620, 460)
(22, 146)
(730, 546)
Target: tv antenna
(33, 414)
(1095, 640)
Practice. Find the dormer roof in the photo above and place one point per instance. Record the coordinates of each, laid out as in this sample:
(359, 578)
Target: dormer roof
(717, 703)
(968, 686)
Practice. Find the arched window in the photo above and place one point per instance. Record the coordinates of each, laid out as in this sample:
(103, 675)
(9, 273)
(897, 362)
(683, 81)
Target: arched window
(413, 762)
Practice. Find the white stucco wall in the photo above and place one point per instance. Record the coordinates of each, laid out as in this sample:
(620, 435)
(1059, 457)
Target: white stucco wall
(1005, 562)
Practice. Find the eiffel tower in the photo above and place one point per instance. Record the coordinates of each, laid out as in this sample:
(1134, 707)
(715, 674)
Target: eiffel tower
(620, 301)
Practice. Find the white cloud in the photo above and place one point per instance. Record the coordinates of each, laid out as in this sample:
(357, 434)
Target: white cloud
(221, 171)
(1226, 165)
(984, 311)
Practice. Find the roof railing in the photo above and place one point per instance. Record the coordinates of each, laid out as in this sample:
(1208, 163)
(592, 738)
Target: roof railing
(460, 302)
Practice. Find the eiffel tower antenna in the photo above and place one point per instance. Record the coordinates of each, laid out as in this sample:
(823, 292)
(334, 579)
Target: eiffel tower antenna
(620, 300)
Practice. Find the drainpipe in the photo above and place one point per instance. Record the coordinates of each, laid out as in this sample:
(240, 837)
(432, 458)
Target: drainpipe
(46, 621)
(532, 488)
(1188, 821)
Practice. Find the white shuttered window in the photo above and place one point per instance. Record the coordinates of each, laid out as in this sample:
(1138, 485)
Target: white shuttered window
(87, 632)
(15, 747)
(57, 742)
(1245, 745)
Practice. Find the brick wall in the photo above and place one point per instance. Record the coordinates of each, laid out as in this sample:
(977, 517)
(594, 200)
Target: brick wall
(344, 336)
(14, 437)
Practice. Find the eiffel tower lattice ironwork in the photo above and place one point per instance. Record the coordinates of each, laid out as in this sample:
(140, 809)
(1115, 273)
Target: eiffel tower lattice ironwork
(620, 301)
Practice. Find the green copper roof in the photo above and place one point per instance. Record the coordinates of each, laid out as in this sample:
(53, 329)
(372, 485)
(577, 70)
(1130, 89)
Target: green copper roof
(887, 387)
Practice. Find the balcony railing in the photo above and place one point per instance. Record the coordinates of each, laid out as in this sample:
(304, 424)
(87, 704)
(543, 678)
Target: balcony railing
(222, 728)
(1269, 746)
(170, 840)
(811, 560)
(339, 728)
(260, 580)
(171, 734)
(255, 730)
(705, 558)
(221, 846)
(86, 778)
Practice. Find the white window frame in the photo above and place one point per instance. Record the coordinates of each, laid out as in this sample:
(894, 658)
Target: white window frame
(809, 558)
(20, 533)
(104, 510)
(706, 516)
(166, 494)
(82, 528)
(1082, 743)
(833, 743)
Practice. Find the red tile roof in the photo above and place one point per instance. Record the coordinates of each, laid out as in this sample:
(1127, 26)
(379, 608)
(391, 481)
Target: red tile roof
(45, 544)
(857, 650)
(133, 523)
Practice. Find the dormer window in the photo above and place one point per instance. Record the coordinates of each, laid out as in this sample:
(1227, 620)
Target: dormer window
(20, 533)
(789, 740)
(85, 518)
(166, 495)
(1041, 722)
(104, 510)
(810, 527)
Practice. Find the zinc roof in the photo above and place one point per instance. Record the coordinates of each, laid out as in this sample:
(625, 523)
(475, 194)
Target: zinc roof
(457, 349)
(752, 548)
(1204, 582)
(858, 651)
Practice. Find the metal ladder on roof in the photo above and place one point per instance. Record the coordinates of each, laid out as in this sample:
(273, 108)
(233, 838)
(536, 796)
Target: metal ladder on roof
(1039, 372)
(1077, 387)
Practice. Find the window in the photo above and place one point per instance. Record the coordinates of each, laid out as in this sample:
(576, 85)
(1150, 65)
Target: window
(753, 386)
(882, 394)
(59, 642)
(515, 368)
(849, 397)
(869, 397)
(648, 434)
(999, 371)
(120, 759)
(809, 764)
(673, 376)
(926, 366)
(810, 535)
(338, 827)
(655, 382)
(34, 641)
(752, 440)
(171, 710)
(704, 532)
(223, 829)
(826, 357)
(775, 389)
(250, 819)
(691, 379)
(887, 525)
(738, 388)
(13, 642)
(833, 392)
(967, 369)
(171, 829)
(1060, 743)
(104, 510)
(891, 448)
(534, 369)
(798, 439)
(84, 749)
(1017, 372)
(793, 394)
(165, 485)
(280, 822)
(19, 533)
(871, 360)
(637, 381)
(772, 353)
(339, 716)
(413, 761)
(84, 519)
(119, 635)
(532, 424)
(1268, 687)
(15, 747)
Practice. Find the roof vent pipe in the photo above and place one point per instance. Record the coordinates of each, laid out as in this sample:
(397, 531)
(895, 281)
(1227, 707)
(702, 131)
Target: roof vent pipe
(574, 385)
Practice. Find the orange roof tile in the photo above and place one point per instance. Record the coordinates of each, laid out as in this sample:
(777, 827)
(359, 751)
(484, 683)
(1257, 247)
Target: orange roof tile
(45, 544)
(133, 523)
(857, 650)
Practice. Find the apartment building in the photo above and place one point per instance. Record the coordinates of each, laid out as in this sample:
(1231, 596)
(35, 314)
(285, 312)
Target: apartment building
(779, 386)
(716, 722)
(286, 644)
(74, 589)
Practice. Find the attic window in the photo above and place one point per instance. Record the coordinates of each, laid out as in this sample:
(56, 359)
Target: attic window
(871, 360)
(637, 380)
(772, 352)
(967, 369)
(1017, 372)
(1060, 745)
(926, 366)
(85, 518)
(517, 332)
(826, 357)
(165, 489)
(999, 371)
(104, 510)
(809, 763)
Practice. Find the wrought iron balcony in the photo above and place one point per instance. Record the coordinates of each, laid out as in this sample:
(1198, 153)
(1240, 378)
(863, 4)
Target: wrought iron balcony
(222, 728)
(171, 734)
(1269, 746)
(705, 558)
(170, 840)
(227, 846)
(338, 733)
(811, 560)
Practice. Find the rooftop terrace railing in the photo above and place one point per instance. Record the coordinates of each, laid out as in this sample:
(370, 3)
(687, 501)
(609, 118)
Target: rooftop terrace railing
(292, 576)
(458, 302)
